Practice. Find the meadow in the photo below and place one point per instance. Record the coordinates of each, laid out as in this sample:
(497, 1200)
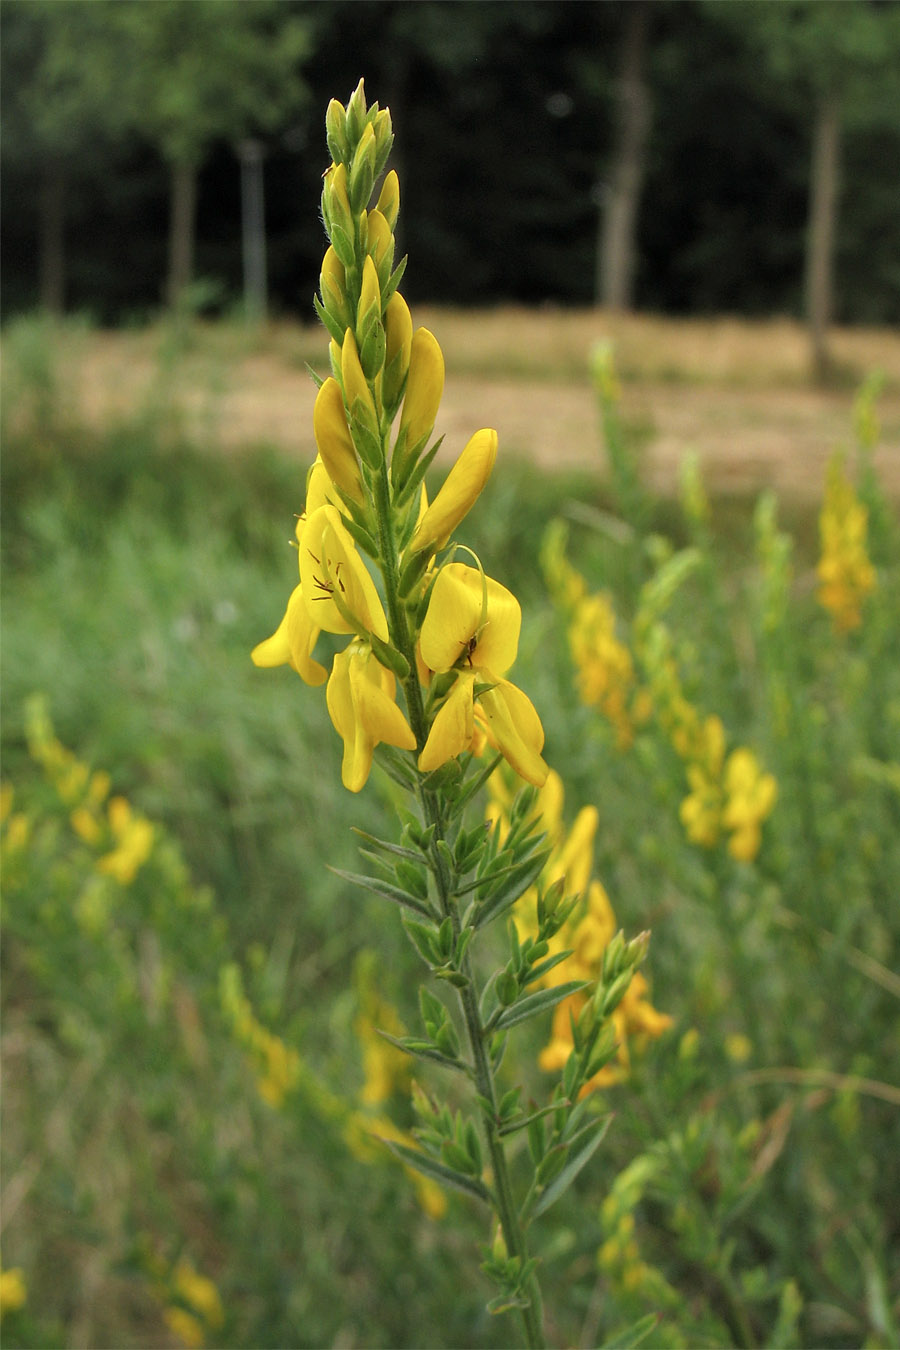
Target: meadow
(194, 1086)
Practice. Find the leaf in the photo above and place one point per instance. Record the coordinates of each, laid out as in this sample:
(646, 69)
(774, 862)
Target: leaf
(582, 1156)
(385, 847)
(424, 1050)
(543, 967)
(533, 1004)
(506, 895)
(430, 1167)
(385, 889)
(635, 1334)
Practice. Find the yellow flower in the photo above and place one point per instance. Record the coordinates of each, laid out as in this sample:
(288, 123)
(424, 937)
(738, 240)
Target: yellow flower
(751, 797)
(461, 489)
(188, 1328)
(13, 1291)
(360, 697)
(333, 439)
(199, 1292)
(471, 617)
(357, 394)
(335, 583)
(292, 643)
(845, 573)
(134, 842)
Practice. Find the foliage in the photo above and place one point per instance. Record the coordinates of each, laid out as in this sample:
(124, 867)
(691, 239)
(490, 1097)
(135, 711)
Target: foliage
(747, 1189)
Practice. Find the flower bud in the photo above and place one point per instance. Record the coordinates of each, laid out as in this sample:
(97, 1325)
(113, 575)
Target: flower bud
(357, 394)
(424, 388)
(356, 113)
(334, 441)
(362, 170)
(332, 284)
(380, 243)
(336, 130)
(398, 333)
(461, 489)
(389, 199)
(369, 298)
(384, 138)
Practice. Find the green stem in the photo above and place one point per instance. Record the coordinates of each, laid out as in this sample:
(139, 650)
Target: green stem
(402, 639)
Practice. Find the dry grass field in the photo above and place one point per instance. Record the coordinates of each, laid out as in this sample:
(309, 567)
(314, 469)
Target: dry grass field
(736, 392)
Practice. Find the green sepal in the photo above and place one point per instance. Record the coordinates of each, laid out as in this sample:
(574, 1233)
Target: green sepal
(394, 281)
(593, 1136)
(389, 656)
(412, 572)
(442, 777)
(396, 767)
(332, 324)
(372, 351)
(411, 485)
(387, 891)
(540, 1002)
(430, 1167)
(359, 532)
(365, 435)
(343, 245)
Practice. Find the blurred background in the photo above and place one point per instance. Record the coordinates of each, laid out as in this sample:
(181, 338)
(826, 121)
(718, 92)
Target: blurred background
(659, 243)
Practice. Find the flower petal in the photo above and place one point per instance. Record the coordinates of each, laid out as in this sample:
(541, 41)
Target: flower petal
(330, 565)
(461, 489)
(458, 623)
(453, 727)
(292, 642)
(512, 724)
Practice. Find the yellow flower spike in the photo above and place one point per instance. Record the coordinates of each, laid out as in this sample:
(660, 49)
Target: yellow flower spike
(357, 394)
(389, 198)
(292, 642)
(369, 296)
(454, 726)
(461, 489)
(333, 439)
(576, 858)
(337, 589)
(514, 727)
(424, 389)
(456, 625)
(360, 697)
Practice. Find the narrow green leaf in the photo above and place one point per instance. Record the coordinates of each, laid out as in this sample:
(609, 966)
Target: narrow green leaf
(635, 1334)
(593, 1137)
(477, 783)
(384, 846)
(424, 1050)
(540, 1002)
(525, 1122)
(506, 895)
(541, 969)
(385, 889)
(430, 1167)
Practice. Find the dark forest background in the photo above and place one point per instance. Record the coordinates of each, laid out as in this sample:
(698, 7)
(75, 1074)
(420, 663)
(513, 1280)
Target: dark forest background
(510, 118)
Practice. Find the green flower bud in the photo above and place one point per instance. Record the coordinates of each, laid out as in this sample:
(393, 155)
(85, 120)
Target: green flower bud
(362, 170)
(336, 131)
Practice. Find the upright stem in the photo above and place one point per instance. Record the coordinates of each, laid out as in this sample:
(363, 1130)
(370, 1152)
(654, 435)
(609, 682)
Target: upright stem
(401, 637)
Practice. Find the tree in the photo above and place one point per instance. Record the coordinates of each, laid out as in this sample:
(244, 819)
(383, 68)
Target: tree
(840, 64)
(59, 111)
(200, 71)
(616, 251)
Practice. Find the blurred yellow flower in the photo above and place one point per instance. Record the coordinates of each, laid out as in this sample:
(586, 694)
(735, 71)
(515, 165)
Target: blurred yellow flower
(846, 576)
(13, 1290)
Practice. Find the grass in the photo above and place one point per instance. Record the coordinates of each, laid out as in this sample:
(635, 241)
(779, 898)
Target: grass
(139, 569)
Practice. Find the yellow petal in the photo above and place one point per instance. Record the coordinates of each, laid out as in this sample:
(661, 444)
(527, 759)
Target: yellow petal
(389, 198)
(513, 725)
(379, 238)
(330, 565)
(453, 727)
(424, 389)
(292, 642)
(334, 441)
(457, 623)
(370, 291)
(360, 702)
(357, 394)
(460, 491)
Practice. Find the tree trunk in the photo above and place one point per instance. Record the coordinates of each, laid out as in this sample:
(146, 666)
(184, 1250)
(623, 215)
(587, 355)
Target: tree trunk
(52, 264)
(182, 222)
(616, 252)
(823, 196)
